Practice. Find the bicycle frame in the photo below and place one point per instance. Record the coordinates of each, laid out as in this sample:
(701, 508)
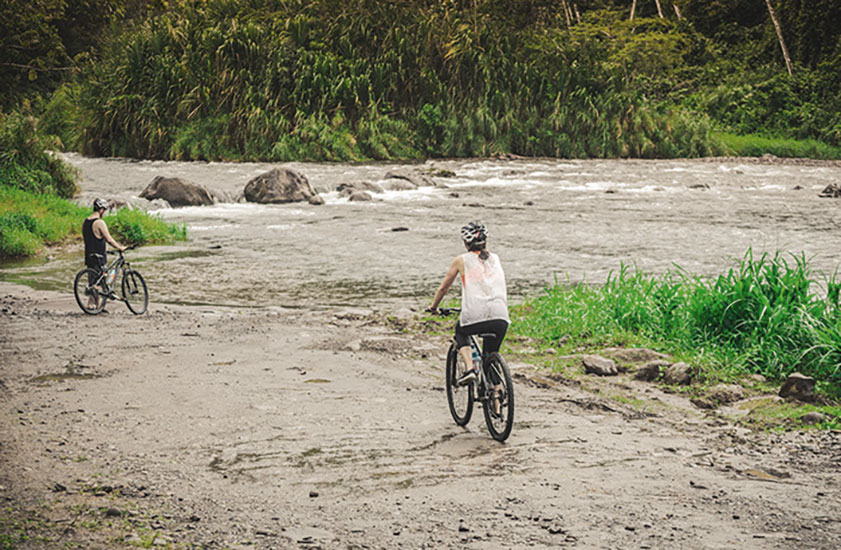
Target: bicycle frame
(119, 264)
(483, 383)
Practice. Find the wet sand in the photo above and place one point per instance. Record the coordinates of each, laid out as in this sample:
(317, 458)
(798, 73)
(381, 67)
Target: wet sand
(215, 427)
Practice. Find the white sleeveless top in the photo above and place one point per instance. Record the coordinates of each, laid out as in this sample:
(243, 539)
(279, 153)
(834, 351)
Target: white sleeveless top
(483, 293)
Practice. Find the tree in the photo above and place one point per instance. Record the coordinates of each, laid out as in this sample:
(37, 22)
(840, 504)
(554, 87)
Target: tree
(779, 36)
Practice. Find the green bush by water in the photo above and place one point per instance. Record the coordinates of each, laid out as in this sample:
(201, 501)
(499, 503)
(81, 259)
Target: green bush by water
(322, 80)
(139, 227)
(767, 315)
(35, 186)
(756, 146)
(28, 221)
(25, 162)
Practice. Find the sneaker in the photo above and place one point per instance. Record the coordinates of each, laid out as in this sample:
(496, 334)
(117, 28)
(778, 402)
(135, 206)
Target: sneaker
(466, 378)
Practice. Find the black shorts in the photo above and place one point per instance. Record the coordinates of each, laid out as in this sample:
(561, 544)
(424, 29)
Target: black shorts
(97, 263)
(497, 327)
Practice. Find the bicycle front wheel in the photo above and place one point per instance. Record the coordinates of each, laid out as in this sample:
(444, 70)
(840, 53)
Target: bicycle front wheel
(87, 287)
(459, 398)
(135, 292)
(499, 407)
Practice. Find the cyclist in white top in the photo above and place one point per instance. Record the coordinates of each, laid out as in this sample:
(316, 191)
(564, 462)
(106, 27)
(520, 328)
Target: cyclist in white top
(484, 298)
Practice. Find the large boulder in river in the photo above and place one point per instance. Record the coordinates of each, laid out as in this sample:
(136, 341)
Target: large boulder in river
(178, 192)
(280, 185)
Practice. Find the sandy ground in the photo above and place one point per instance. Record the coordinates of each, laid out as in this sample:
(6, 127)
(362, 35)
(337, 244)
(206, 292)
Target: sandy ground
(262, 428)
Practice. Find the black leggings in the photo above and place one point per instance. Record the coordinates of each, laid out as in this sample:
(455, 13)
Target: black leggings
(498, 327)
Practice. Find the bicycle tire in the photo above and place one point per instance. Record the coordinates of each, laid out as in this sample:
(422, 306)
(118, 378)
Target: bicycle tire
(500, 425)
(135, 292)
(83, 290)
(459, 398)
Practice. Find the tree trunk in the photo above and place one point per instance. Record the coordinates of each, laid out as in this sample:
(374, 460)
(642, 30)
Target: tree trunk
(577, 15)
(633, 9)
(677, 12)
(566, 12)
(659, 9)
(779, 36)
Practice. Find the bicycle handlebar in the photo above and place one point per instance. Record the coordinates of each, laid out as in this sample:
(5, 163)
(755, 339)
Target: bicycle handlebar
(444, 311)
(131, 247)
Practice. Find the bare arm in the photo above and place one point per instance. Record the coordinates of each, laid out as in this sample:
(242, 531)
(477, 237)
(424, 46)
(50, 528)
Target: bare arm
(103, 231)
(456, 267)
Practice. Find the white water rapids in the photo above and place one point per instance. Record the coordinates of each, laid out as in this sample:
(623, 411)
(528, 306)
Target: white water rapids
(575, 220)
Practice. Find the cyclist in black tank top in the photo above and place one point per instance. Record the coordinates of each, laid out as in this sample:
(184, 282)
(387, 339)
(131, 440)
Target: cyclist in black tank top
(94, 247)
(95, 234)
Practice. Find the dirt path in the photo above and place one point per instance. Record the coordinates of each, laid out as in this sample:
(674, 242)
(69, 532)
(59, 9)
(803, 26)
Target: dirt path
(198, 427)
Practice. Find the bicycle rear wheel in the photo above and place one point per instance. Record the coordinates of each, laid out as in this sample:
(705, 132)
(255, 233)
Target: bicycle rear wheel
(135, 292)
(459, 398)
(502, 392)
(89, 296)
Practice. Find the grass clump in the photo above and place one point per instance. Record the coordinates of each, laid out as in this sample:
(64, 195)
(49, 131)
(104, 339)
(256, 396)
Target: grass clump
(753, 145)
(767, 315)
(28, 221)
(139, 227)
(781, 414)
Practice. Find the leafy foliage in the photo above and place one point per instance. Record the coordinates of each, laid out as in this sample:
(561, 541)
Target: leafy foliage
(767, 315)
(25, 162)
(360, 80)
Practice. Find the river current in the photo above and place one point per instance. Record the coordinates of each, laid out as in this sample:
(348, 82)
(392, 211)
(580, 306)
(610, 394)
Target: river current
(548, 219)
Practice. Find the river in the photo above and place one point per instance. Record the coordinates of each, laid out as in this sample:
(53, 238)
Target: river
(574, 220)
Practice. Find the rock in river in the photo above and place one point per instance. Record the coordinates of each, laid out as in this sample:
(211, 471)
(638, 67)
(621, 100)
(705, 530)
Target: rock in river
(279, 185)
(178, 192)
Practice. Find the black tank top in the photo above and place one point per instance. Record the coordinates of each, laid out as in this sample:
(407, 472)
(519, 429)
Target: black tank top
(92, 245)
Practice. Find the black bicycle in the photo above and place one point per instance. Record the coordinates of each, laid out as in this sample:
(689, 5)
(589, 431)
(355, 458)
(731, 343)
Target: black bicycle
(493, 387)
(94, 287)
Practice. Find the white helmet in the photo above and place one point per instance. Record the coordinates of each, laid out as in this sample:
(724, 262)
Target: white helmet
(474, 232)
(100, 204)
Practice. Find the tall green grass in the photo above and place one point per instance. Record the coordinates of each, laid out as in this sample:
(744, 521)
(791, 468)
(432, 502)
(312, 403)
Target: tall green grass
(356, 80)
(35, 186)
(756, 146)
(768, 315)
(29, 221)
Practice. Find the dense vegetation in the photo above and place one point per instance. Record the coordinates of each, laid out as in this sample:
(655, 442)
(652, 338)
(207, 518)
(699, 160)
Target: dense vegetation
(768, 315)
(358, 79)
(34, 188)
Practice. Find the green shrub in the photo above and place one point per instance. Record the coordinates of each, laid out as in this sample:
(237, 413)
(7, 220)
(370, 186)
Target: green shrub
(755, 146)
(30, 220)
(139, 227)
(768, 315)
(25, 162)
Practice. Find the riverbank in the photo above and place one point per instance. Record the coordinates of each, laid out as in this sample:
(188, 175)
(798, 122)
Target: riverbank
(188, 431)
(31, 221)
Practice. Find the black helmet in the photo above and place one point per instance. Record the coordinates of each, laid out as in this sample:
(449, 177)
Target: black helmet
(474, 232)
(100, 204)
